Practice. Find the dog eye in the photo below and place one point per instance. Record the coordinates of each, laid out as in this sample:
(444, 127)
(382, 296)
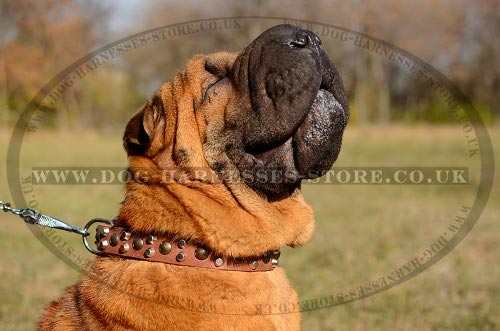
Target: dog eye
(209, 88)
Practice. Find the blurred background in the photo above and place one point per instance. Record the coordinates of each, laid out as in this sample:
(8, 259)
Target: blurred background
(364, 232)
(40, 38)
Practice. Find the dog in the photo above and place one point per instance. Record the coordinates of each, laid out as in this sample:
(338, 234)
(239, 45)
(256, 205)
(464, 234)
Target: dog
(237, 132)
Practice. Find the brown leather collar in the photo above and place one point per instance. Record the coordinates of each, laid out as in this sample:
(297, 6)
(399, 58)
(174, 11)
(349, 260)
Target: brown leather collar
(120, 242)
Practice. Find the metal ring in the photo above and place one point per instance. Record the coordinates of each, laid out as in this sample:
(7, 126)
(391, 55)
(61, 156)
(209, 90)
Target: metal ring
(87, 227)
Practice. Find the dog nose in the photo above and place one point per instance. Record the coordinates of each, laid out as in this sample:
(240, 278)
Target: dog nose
(305, 38)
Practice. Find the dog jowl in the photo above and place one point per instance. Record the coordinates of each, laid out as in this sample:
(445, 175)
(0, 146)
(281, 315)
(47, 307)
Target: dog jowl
(201, 254)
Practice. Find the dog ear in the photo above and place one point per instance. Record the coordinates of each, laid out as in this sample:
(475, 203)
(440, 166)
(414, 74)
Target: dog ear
(139, 131)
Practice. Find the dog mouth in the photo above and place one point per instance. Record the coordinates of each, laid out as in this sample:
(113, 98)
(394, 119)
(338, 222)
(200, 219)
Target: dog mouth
(309, 151)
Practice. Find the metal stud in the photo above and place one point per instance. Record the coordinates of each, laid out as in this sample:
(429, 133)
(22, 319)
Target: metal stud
(150, 239)
(137, 243)
(165, 247)
(182, 243)
(125, 235)
(104, 231)
(253, 265)
(124, 248)
(103, 244)
(274, 262)
(180, 257)
(149, 252)
(201, 253)
(219, 262)
(114, 240)
(266, 257)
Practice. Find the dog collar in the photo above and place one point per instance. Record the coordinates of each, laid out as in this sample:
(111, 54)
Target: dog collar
(117, 241)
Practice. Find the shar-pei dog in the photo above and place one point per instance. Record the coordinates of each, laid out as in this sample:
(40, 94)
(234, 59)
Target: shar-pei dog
(217, 157)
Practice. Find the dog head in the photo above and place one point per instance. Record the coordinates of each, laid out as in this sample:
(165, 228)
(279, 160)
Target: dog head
(273, 114)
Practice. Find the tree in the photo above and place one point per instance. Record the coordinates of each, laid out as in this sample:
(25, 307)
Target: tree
(39, 40)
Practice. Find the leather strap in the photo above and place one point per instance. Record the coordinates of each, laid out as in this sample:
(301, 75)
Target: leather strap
(118, 241)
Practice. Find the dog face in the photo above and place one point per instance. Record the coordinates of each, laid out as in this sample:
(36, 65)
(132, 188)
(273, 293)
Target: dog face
(274, 114)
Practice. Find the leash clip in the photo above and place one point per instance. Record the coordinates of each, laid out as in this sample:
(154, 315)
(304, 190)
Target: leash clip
(31, 216)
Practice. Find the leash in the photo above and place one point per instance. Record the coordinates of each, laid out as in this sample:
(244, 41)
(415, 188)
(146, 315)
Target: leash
(31, 216)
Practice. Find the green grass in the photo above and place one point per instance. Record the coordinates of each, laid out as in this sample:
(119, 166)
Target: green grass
(363, 232)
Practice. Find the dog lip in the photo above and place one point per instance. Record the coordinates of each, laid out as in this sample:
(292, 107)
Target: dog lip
(262, 156)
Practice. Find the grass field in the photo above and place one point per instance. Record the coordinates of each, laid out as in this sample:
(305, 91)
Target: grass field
(363, 233)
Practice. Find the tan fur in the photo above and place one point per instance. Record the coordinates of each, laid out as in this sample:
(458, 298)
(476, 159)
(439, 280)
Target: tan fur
(227, 216)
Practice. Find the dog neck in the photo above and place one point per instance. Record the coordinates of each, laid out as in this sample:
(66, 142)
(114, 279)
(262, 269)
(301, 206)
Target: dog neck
(231, 221)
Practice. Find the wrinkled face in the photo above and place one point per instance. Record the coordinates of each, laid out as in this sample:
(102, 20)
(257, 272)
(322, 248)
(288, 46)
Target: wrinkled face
(276, 112)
